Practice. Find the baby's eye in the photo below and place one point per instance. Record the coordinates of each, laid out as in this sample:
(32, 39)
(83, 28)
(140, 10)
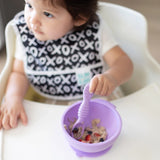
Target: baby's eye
(48, 14)
(28, 5)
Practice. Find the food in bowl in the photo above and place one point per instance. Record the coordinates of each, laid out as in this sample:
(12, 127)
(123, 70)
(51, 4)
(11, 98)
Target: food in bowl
(94, 134)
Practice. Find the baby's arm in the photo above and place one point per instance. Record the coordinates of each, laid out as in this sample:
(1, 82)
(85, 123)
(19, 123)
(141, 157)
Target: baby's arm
(12, 108)
(120, 70)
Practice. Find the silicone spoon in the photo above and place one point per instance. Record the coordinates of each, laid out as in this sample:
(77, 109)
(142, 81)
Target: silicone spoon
(83, 111)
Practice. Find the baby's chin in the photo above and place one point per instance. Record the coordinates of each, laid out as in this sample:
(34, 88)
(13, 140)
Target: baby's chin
(43, 38)
(40, 38)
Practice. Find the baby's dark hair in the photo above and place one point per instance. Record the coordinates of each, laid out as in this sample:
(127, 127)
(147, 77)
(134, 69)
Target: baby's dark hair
(79, 9)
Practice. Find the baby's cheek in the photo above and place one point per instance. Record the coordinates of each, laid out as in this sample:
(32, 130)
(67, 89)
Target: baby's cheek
(28, 24)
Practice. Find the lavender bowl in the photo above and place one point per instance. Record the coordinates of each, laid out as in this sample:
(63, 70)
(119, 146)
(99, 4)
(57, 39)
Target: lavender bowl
(109, 118)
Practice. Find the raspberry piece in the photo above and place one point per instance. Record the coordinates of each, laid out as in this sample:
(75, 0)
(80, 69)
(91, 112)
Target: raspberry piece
(88, 138)
(97, 135)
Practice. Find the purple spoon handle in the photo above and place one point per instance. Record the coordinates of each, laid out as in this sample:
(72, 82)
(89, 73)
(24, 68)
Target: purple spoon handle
(83, 111)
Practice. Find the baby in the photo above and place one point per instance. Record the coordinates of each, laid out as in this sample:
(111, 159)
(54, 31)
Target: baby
(61, 45)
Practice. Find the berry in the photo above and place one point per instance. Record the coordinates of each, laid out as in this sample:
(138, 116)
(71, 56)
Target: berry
(75, 130)
(97, 135)
(89, 132)
(88, 137)
(101, 140)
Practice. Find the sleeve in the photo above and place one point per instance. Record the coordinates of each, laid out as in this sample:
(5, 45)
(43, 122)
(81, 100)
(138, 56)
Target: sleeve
(107, 39)
(19, 50)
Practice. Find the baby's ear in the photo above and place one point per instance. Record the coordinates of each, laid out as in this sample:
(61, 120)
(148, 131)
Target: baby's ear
(80, 21)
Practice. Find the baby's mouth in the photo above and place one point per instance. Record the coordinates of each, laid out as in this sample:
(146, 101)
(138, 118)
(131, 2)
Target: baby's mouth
(37, 31)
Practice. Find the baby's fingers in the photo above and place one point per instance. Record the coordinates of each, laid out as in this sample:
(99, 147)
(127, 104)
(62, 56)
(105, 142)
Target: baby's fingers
(99, 86)
(105, 88)
(13, 120)
(1, 119)
(5, 122)
(23, 117)
(93, 84)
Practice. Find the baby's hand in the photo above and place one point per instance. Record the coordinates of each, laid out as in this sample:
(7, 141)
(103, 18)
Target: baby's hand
(11, 110)
(102, 84)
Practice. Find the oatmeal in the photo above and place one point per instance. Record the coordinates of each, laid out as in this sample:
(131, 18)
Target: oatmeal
(95, 134)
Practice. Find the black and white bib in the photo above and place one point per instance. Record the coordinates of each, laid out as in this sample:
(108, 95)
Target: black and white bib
(60, 68)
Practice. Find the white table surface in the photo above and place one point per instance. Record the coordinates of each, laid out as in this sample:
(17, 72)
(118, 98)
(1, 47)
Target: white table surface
(42, 138)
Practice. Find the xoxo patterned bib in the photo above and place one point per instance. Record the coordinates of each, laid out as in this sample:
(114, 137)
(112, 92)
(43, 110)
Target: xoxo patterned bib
(60, 68)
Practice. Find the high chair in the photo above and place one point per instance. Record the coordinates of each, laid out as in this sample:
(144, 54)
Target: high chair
(139, 109)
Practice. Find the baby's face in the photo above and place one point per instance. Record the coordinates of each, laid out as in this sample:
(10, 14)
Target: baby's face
(47, 22)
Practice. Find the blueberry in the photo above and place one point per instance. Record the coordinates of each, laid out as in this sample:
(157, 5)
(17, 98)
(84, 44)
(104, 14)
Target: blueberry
(75, 130)
(89, 132)
(101, 140)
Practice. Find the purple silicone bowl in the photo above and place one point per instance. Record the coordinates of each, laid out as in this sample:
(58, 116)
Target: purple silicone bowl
(109, 118)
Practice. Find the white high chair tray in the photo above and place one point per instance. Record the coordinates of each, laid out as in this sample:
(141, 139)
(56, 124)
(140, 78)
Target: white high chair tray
(42, 138)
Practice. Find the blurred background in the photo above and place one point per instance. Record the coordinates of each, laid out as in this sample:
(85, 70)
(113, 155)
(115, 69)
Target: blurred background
(149, 8)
